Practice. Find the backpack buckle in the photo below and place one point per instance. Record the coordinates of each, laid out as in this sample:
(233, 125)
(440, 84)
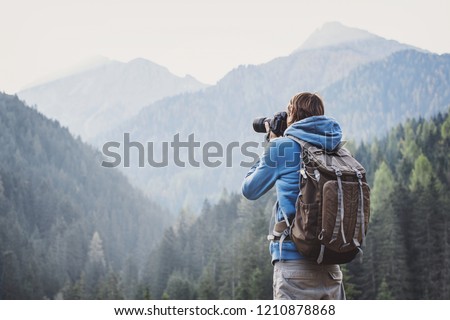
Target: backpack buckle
(358, 174)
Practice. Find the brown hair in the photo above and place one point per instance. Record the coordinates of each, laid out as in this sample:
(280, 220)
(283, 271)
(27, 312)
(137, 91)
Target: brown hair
(304, 105)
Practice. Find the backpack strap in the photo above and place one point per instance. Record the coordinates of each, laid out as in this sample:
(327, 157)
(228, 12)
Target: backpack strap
(322, 252)
(281, 229)
(360, 227)
(340, 214)
(302, 143)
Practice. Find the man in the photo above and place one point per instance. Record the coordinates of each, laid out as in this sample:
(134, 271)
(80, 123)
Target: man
(295, 276)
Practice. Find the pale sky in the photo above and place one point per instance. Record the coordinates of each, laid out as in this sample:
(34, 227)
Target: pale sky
(203, 38)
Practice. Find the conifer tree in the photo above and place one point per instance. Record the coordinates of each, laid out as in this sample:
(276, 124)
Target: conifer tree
(95, 269)
(179, 287)
(386, 239)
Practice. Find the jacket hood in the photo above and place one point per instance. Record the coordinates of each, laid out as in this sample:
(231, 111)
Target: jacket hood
(321, 131)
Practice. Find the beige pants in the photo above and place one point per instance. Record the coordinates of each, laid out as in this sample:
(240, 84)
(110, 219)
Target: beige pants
(304, 279)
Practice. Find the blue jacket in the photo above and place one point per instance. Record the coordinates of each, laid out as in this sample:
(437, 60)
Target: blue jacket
(279, 165)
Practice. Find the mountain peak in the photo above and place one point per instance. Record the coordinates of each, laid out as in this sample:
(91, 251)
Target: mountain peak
(334, 33)
(142, 62)
(99, 98)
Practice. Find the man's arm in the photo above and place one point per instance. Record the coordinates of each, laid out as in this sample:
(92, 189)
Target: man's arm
(262, 175)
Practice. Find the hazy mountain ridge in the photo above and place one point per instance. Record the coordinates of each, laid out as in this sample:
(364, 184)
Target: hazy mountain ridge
(225, 112)
(82, 66)
(380, 95)
(97, 99)
(334, 33)
(250, 90)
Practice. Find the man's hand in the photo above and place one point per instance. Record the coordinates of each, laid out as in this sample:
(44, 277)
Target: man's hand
(271, 134)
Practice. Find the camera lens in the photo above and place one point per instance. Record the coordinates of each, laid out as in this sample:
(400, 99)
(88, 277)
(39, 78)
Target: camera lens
(258, 125)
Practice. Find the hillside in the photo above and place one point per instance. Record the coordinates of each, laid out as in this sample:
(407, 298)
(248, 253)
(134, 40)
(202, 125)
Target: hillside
(62, 216)
(97, 99)
(376, 97)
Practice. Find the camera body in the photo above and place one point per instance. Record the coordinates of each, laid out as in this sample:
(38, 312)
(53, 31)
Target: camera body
(277, 124)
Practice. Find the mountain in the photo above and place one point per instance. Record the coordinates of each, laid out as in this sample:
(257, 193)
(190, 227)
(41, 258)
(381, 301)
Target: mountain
(94, 100)
(377, 96)
(335, 33)
(249, 91)
(66, 223)
(81, 66)
(224, 113)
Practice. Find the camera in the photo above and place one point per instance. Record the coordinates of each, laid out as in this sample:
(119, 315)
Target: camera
(277, 124)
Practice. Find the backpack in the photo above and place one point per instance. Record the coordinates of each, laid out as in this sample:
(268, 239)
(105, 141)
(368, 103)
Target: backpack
(333, 207)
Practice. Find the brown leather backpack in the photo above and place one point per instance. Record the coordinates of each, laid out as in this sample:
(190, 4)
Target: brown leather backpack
(333, 207)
